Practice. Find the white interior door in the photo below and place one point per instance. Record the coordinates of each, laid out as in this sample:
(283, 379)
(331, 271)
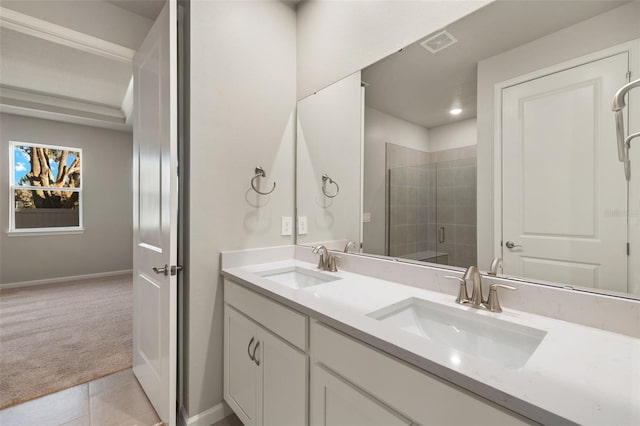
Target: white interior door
(564, 192)
(155, 204)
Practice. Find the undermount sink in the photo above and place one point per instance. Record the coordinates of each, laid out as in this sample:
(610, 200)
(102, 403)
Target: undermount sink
(296, 277)
(502, 342)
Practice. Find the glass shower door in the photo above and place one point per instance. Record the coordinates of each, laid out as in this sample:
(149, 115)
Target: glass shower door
(411, 213)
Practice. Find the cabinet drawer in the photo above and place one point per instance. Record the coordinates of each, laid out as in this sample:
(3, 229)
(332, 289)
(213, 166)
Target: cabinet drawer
(285, 322)
(412, 392)
(336, 402)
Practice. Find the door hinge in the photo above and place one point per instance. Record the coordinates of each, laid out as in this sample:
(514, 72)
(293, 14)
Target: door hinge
(175, 269)
(628, 75)
(628, 249)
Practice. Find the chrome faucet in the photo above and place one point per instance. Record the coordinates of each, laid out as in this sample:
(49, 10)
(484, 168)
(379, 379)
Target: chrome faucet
(350, 244)
(476, 300)
(327, 261)
(472, 274)
(496, 265)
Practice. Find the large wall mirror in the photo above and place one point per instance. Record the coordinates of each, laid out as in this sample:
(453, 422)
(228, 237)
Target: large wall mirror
(493, 137)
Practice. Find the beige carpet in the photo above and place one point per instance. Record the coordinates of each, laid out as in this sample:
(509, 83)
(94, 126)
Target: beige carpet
(56, 336)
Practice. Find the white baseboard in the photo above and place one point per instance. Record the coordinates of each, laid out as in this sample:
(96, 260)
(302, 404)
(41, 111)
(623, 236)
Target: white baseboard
(206, 418)
(65, 279)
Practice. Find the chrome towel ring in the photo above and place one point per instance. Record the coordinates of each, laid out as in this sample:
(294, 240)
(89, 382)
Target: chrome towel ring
(259, 171)
(326, 178)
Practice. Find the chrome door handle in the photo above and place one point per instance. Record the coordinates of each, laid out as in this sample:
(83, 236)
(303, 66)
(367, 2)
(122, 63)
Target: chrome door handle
(256, 360)
(511, 244)
(442, 237)
(162, 270)
(249, 349)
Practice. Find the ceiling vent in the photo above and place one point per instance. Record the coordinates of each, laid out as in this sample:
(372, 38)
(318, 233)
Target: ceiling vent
(439, 41)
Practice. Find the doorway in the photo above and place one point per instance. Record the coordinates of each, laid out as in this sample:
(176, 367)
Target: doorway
(564, 196)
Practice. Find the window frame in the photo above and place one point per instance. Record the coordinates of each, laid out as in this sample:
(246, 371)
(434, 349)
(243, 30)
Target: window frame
(13, 186)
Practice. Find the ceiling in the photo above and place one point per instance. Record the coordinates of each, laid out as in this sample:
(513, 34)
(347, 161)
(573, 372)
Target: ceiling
(83, 73)
(421, 87)
(42, 66)
(148, 8)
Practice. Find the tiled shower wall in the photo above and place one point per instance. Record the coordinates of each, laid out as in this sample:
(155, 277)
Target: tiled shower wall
(409, 175)
(456, 212)
(432, 205)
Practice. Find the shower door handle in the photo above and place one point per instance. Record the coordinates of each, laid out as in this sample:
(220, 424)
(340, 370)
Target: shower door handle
(442, 236)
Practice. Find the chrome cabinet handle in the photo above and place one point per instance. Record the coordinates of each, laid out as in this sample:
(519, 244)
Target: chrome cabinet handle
(442, 235)
(256, 360)
(511, 244)
(249, 349)
(161, 270)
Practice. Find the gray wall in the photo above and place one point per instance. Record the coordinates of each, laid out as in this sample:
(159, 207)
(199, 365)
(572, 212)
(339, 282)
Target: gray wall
(603, 31)
(243, 96)
(106, 243)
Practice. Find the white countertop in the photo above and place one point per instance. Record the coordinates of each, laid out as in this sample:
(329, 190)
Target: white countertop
(577, 374)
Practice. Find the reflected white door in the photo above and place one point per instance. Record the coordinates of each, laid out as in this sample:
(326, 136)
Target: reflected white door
(155, 204)
(564, 194)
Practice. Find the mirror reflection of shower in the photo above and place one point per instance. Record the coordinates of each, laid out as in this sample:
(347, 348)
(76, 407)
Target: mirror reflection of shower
(431, 205)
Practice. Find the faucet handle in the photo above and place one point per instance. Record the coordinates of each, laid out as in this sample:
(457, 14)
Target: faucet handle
(493, 304)
(333, 267)
(463, 296)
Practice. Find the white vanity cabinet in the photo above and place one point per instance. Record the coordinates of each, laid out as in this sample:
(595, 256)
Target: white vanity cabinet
(282, 370)
(265, 376)
(335, 401)
(353, 383)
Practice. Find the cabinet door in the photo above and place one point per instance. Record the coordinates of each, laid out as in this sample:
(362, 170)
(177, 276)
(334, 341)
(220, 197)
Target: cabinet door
(240, 370)
(335, 402)
(284, 378)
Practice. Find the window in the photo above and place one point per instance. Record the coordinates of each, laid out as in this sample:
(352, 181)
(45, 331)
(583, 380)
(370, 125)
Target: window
(46, 190)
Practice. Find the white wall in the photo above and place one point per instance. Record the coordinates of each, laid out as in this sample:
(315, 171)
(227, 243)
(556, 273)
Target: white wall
(242, 102)
(329, 141)
(337, 38)
(455, 135)
(105, 245)
(611, 28)
(379, 129)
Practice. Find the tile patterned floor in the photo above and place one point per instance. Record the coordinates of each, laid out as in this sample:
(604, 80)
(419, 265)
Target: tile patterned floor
(114, 400)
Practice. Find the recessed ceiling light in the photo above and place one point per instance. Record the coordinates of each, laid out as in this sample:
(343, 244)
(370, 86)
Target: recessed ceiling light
(455, 111)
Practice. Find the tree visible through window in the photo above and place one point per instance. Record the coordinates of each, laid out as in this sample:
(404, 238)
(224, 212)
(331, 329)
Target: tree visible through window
(46, 186)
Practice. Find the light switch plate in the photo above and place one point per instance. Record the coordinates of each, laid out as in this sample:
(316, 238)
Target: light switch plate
(287, 226)
(302, 225)
(366, 217)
